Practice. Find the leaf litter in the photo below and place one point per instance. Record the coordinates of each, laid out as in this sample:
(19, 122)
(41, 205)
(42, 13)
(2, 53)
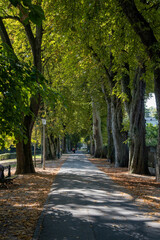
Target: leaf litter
(143, 189)
(21, 203)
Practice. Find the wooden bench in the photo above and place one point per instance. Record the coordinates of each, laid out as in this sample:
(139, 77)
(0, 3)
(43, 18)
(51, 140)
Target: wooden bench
(6, 179)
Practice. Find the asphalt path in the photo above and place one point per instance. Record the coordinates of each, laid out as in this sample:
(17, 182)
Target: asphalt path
(85, 204)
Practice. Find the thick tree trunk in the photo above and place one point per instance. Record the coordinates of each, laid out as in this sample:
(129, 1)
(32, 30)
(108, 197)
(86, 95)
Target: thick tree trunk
(23, 146)
(24, 158)
(50, 151)
(91, 145)
(157, 95)
(53, 146)
(138, 162)
(64, 145)
(119, 137)
(97, 134)
(110, 146)
(25, 164)
(58, 148)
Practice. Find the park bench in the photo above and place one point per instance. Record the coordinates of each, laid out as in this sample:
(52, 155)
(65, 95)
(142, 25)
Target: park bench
(6, 178)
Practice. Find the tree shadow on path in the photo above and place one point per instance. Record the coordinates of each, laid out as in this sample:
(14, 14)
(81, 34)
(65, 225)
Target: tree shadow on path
(84, 203)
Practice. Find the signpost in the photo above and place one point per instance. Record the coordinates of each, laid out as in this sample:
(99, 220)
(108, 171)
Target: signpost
(44, 124)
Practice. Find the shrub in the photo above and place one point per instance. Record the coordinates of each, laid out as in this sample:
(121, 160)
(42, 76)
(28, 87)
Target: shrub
(151, 135)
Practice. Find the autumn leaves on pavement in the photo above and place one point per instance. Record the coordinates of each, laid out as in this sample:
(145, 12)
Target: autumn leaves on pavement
(21, 204)
(143, 189)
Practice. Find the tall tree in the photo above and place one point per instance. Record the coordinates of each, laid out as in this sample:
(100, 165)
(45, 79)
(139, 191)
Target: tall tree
(27, 12)
(134, 104)
(148, 36)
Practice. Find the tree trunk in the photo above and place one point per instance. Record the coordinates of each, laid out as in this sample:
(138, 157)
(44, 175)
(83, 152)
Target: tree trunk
(157, 95)
(110, 147)
(97, 134)
(91, 145)
(52, 147)
(138, 162)
(23, 149)
(24, 157)
(58, 148)
(119, 137)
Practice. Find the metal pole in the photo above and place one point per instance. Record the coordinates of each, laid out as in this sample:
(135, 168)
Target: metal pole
(43, 147)
(35, 154)
(35, 146)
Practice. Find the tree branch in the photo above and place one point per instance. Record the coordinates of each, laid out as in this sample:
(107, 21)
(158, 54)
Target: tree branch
(4, 34)
(139, 24)
(30, 36)
(99, 60)
(11, 17)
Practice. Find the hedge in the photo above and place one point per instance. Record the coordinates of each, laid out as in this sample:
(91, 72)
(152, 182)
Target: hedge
(6, 156)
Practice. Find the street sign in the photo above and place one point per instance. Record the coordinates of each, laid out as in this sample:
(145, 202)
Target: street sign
(43, 121)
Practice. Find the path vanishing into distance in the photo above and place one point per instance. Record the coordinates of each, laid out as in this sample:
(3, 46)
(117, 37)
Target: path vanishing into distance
(85, 204)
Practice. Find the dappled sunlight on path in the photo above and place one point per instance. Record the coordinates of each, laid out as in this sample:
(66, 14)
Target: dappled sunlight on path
(84, 203)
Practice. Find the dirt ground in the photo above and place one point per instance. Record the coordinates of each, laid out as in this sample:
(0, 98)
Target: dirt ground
(143, 189)
(22, 202)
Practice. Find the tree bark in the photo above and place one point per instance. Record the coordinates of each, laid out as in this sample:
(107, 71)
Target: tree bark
(64, 145)
(91, 145)
(110, 146)
(138, 162)
(51, 149)
(119, 137)
(52, 146)
(97, 134)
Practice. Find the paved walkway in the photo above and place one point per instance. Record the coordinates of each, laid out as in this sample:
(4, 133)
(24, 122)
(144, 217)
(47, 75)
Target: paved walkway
(85, 204)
